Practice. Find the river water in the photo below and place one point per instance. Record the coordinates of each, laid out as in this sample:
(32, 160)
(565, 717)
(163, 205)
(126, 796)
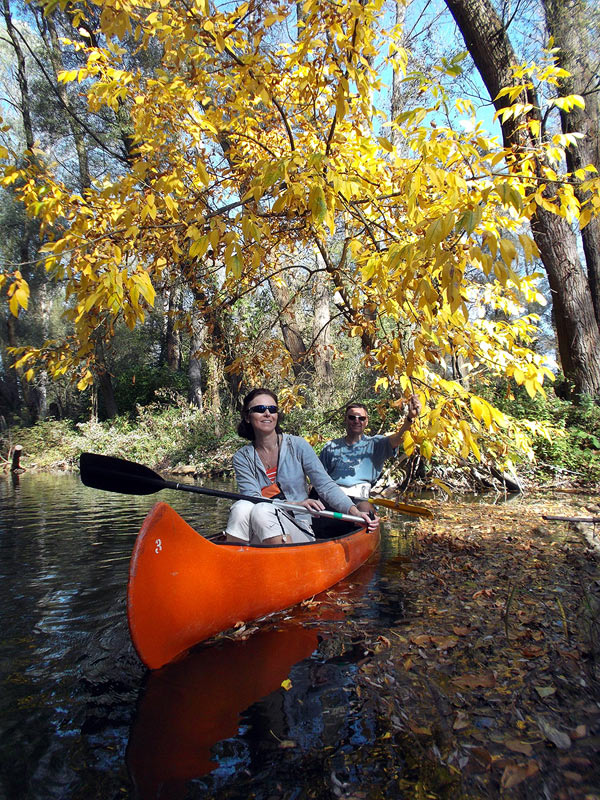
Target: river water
(81, 717)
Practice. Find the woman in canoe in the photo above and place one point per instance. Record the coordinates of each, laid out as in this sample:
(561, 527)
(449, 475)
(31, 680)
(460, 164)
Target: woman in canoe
(273, 463)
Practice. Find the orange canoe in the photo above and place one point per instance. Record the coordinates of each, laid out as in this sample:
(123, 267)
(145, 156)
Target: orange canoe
(184, 589)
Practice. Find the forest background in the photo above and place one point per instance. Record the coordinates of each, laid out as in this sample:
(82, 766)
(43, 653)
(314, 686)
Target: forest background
(351, 200)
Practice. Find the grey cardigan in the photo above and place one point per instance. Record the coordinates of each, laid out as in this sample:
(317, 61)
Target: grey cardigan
(297, 461)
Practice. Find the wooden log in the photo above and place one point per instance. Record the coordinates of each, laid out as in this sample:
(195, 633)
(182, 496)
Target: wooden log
(594, 520)
(16, 458)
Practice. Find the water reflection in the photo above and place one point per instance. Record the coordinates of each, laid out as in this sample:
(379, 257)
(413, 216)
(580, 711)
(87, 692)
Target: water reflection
(189, 706)
(70, 680)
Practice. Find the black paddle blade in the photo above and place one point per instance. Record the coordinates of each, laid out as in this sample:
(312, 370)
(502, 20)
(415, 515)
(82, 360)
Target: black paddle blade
(117, 475)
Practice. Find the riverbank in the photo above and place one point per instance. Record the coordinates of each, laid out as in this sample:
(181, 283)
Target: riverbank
(178, 439)
(489, 686)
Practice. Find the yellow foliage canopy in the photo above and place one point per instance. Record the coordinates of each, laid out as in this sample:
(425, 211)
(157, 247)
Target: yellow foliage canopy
(248, 146)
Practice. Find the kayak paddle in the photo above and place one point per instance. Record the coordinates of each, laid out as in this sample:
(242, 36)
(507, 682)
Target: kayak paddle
(404, 508)
(126, 477)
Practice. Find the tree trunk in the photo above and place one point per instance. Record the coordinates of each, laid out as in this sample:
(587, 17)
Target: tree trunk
(322, 339)
(215, 378)
(195, 365)
(108, 395)
(577, 331)
(397, 101)
(103, 379)
(21, 75)
(55, 54)
(292, 336)
(171, 343)
(567, 24)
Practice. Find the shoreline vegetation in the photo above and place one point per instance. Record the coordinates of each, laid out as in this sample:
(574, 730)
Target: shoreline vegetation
(172, 436)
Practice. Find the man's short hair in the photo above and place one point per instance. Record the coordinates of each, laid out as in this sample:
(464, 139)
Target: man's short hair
(356, 405)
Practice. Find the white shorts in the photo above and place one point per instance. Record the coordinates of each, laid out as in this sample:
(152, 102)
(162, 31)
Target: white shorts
(255, 522)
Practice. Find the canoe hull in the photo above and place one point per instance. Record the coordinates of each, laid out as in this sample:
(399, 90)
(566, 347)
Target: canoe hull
(183, 588)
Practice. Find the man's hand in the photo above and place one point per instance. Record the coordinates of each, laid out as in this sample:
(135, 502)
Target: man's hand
(412, 412)
(414, 408)
(370, 521)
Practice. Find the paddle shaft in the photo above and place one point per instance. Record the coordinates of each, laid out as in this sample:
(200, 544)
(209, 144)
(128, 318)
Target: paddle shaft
(127, 477)
(291, 506)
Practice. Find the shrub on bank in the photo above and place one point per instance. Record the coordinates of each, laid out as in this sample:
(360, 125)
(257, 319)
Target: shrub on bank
(574, 447)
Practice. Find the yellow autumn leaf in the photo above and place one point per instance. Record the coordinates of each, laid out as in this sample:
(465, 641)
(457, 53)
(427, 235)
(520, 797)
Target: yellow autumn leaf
(317, 203)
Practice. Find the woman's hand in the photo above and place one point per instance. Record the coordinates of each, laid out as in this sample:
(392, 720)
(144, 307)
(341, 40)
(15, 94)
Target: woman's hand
(311, 505)
(370, 521)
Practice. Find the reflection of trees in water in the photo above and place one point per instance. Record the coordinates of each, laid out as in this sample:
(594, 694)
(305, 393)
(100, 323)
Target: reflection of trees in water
(315, 721)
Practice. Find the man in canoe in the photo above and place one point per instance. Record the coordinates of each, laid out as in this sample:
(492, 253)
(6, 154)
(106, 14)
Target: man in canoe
(276, 464)
(355, 461)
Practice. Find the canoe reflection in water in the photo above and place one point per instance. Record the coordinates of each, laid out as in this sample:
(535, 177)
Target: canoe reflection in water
(189, 706)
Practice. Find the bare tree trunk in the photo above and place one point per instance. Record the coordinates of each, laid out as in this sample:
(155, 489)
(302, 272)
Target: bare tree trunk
(55, 55)
(195, 365)
(170, 351)
(108, 395)
(215, 379)
(397, 102)
(103, 379)
(173, 339)
(322, 338)
(21, 75)
(292, 335)
(577, 331)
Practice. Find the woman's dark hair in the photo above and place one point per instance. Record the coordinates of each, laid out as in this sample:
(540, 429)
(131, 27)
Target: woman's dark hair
(245, 429)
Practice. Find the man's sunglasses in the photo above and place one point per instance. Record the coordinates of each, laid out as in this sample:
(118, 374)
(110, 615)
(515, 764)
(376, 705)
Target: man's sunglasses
(356, 418)
(262, 409)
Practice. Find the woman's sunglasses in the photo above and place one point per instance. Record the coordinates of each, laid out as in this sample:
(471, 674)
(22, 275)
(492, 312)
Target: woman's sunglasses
(356, 418)
(262, 409)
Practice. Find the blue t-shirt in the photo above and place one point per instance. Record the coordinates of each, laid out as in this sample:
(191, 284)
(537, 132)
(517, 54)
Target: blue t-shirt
(349, 464)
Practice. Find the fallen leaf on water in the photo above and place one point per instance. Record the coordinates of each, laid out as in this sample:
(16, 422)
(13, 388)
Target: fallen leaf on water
(484, 680)
(444, 642)
(461, 722)
(287, 743)
(286, 684)
(419, 729)
(545, 691)
(574, 777)
(519, 747)
(514, 774)
(533, 652)
(460, 630)
(420, 639)
(558, 738)
(482, 756)
(580, 732)
(579, 761)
